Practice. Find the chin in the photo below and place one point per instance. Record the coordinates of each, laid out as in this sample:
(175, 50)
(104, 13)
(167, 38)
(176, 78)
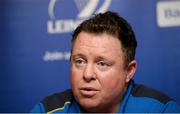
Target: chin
(88, 104)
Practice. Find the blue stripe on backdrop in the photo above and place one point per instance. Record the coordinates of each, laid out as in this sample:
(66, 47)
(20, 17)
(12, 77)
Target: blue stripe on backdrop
(35, 43)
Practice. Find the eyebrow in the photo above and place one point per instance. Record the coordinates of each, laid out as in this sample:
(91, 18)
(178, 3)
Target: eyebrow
(97, 58)
(77, 55)
(101, 58)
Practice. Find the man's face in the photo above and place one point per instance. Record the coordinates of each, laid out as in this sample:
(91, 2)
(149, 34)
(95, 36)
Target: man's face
(98, 76)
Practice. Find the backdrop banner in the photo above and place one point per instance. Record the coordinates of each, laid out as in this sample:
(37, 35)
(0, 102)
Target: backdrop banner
(35, 42)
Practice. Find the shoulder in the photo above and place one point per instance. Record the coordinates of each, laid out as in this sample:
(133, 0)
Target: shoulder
(57, 101)
(144, 91)
(147, 99)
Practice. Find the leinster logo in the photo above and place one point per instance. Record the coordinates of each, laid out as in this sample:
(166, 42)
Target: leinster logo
(66, 15)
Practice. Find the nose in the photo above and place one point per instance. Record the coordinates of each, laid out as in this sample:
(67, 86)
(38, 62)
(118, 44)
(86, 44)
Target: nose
(88, 74)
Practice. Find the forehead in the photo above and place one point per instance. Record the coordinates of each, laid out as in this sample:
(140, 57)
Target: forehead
(97, 44)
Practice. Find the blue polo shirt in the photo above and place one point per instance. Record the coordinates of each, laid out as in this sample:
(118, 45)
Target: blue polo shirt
(137, 99)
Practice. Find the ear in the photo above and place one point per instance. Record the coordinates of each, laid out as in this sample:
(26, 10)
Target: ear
(131, 69)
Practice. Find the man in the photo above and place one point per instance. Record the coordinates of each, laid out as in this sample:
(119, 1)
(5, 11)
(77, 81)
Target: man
(102, 66)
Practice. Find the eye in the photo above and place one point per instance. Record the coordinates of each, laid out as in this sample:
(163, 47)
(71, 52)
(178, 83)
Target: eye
(79, 62)
(102, 65)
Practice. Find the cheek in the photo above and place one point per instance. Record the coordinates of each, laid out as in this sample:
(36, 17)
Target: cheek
(113, 83)
(76, 77)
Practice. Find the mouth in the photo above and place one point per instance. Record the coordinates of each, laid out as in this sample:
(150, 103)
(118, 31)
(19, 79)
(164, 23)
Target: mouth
(88, 91)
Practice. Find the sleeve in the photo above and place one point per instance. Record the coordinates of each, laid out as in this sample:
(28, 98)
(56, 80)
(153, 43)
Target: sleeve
(38, 108)
(172, 107)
